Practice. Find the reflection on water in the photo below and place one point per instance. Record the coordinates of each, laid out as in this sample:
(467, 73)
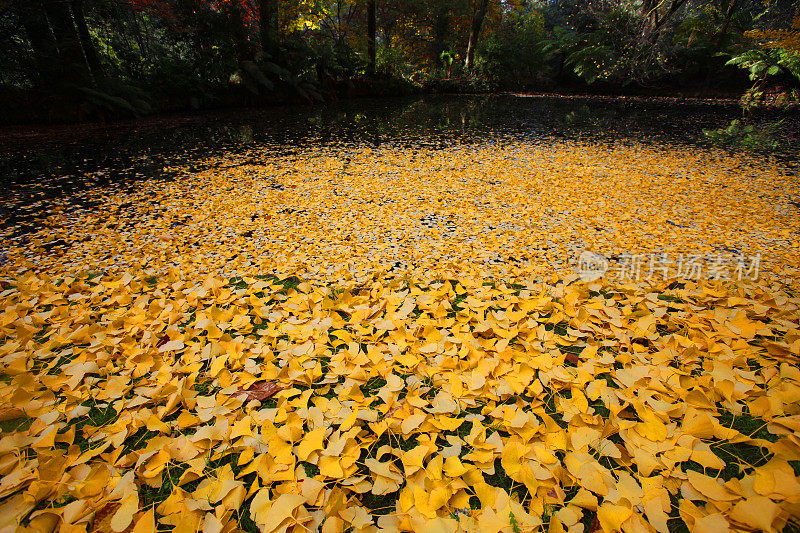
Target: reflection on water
(39, 167)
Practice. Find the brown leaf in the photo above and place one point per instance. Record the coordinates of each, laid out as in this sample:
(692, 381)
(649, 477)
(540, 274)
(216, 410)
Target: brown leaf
(102, 519)
(392, 410)
(261, 390)
(10, 413)
(164, 340)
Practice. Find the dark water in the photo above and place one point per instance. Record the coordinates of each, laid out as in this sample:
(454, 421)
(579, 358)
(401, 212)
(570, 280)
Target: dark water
(38, 166)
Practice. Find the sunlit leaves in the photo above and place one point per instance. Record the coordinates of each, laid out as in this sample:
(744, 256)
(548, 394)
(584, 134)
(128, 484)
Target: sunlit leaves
(610, 435)
(160, 397)
(512, 211)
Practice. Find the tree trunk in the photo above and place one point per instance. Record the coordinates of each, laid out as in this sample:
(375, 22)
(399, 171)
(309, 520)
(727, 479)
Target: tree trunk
(141, 41)
(86, 41)
(474, 34)
(34, 20)
(653, 23)
(266, 20)
(649, 12)
(386, 28)
(244, 50)
(69, 43)
(441, 25)
(371, 33)
(720, 37)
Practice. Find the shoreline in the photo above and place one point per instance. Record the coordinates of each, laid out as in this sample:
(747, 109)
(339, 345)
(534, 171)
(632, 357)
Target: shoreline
(23, 134)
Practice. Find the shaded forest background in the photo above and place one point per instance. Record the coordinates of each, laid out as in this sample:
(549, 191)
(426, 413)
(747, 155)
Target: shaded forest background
(74, 60)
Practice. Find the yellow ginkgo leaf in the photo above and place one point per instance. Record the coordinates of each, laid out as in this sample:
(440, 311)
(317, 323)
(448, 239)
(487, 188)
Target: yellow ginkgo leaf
(709, 487)
(412, 422)
(713, 523)
(756, 512)
(124, 515)
(146, 523)
(280, 512)
(611, 517)
(312, 441)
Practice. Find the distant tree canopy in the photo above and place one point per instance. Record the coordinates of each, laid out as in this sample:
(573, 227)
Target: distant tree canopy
(131, 56)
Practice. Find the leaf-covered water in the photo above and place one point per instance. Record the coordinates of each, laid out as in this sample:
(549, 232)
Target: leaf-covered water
(367, 318)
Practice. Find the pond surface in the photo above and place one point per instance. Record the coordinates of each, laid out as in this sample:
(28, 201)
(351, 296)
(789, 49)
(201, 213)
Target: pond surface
(62, 154)
(432, 120)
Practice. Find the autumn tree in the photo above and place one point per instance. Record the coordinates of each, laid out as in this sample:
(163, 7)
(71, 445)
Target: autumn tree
(89, 50)
(655, 14)
(58, 34)
(32, 16)
(730, 9)
(787, 38)
(371, 36)
(474, 33)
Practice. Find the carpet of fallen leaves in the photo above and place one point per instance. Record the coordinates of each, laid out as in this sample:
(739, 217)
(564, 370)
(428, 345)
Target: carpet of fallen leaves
(430, 365)
(511, 210)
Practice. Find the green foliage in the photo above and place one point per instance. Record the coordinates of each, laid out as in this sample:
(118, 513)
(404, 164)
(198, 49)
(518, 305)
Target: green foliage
(766, 66)
(253, 76)
(608, 46)
(170, 54)
(515, 54)
(593, 61)
(111, 102)
(390, 62)
(739, 135)
(763, 63)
